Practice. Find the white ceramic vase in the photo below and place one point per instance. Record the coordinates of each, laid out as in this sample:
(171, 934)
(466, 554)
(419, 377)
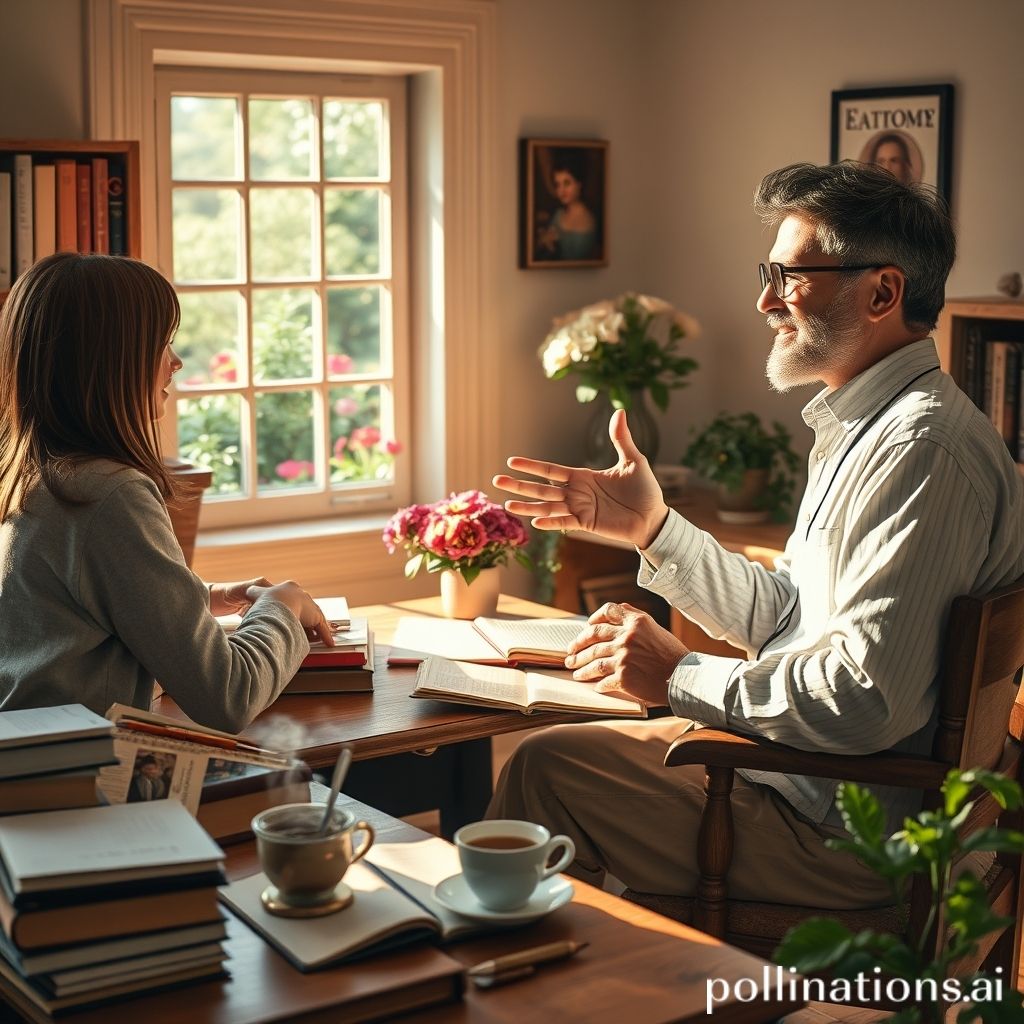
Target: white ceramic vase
(462, 601)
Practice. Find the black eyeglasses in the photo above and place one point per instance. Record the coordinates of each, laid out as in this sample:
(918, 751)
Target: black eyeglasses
(775, 274)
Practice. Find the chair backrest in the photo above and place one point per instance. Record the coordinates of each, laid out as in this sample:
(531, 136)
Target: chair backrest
(979, 700)
(622, 586)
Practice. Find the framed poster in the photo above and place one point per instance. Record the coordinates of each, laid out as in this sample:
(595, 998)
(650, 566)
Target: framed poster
(906, 129)
(563, 193)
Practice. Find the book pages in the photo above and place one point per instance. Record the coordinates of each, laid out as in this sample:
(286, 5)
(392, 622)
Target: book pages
(484, 683)
(377, 913)
(513, 637)
(548, 690)
(417, 637)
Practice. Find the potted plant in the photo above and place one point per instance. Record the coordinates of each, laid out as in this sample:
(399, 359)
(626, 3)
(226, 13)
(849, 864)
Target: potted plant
(754, 469)
(619, 349)
(464, 537)
(928, 844)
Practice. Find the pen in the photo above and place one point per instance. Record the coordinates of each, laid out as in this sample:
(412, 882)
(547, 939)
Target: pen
(526, 958)
(176, 733)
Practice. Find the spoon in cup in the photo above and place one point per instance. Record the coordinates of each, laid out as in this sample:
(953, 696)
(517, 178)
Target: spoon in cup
(341, 767)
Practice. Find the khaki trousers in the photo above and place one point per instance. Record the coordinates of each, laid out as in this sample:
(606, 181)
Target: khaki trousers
(605, 786)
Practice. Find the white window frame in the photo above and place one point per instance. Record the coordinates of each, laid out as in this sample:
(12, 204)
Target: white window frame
(448, 48)
(252, 507)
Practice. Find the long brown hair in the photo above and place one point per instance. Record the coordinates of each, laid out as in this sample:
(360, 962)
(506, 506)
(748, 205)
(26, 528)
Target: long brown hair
(81, 337)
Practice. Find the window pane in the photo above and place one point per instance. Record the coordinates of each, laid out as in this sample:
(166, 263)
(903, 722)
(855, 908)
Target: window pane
(358, 449)
(281, 226)
(207, 235)
(352, 231)
(285, 440)
(210, 341)
(352, 139)
(353, 330)
(282, 334)
(206, 135)
(210, 434)
(280, 140)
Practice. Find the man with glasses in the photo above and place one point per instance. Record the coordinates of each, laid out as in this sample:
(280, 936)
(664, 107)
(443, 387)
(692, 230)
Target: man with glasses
(911, 499)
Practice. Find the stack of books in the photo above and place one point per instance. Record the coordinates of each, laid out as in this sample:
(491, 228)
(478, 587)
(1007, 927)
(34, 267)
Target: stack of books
(347, 667)
(104, 902)
(50, 758)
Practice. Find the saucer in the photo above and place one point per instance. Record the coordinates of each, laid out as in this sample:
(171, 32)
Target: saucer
(455, 894)
(273, 904)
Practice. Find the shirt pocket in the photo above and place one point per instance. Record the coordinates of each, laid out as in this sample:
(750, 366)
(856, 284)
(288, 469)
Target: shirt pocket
(818, 581)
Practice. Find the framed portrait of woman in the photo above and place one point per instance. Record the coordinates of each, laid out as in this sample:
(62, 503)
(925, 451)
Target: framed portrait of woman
(563, 190)
(908, 130)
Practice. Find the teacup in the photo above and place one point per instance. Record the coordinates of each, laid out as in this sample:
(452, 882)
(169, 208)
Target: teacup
(304, 866)
(504, 861)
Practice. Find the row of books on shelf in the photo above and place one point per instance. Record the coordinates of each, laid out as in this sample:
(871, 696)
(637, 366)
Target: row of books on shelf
(59, 204)
(994, 380)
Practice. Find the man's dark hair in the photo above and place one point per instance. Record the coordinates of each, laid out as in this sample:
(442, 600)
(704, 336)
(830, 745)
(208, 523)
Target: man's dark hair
(864, 214)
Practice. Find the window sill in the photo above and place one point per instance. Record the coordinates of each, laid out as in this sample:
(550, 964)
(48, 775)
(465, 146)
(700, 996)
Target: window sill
(268, 533)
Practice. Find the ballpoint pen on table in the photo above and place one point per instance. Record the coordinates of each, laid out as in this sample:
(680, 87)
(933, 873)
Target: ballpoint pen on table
(519, 965)
(177, 733)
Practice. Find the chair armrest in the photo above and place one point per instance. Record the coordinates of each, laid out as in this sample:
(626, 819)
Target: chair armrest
(720, 748)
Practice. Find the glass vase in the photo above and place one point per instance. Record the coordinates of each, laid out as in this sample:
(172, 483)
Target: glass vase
(598, 450)
(460, 600)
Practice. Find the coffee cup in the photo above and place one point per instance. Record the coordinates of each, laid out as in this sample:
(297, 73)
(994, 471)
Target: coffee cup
(504, 861)
(304, 866)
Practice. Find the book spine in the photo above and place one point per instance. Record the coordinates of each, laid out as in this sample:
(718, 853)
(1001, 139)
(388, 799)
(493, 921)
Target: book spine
(45, 203)
(995, 382)
(100, 240)
(5, 230)
(115, 207)
(23, 250)
(1011, 402)
(67, 206)
(969, 383)
(83, 178)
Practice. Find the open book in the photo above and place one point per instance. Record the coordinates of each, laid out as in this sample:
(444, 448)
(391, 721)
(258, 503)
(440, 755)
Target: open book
(493, 687)
(393, 905)
(484, 641)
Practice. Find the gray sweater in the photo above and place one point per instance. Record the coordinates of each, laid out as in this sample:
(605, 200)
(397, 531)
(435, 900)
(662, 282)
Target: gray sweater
(96, 602)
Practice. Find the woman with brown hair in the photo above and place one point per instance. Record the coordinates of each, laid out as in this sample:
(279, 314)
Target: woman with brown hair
(95, 598)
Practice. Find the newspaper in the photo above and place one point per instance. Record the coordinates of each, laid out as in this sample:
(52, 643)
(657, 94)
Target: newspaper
(160, 767)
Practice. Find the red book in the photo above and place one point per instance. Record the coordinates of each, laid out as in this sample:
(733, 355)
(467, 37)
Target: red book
(100, 239)
(83, 177)
(327, 658)
(67, 206)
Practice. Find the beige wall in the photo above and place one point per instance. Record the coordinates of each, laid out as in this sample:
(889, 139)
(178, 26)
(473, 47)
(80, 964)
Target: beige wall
(739, 97)
(698, 98)
(41, 69)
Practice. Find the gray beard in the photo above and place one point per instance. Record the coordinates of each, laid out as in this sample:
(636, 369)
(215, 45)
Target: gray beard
(823, 343)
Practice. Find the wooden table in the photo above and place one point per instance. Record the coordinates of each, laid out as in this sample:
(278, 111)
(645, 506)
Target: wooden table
(639, 967)
(388, 724)
(585, 559)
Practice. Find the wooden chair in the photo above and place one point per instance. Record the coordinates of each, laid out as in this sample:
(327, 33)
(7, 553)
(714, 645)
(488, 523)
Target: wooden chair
(981, 721)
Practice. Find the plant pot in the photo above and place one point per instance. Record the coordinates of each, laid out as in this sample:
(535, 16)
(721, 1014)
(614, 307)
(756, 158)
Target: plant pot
(598, 450)
(741, 507)
(460, 600)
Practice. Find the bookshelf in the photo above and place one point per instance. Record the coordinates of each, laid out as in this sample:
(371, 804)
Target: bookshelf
(44, 152)
(968, 333)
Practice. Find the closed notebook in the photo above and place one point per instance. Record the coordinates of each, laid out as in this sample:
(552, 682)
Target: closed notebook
(102, 847)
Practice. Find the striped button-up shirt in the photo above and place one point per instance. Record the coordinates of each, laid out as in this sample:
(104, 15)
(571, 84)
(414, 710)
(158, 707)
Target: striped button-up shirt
(925, 505)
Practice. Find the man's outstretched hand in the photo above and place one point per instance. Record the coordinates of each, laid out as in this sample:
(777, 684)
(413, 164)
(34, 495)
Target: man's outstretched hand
(621, 503)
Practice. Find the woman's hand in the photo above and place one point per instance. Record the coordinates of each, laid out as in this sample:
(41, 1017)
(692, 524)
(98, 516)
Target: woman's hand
(302, 606)
(231, 598)
(623, 648)
(621, 503)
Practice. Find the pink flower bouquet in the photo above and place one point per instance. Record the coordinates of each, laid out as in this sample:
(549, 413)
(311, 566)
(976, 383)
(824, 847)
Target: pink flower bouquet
(465, 532)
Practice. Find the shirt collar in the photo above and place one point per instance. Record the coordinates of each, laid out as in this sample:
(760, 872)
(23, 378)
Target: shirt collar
(873, 388)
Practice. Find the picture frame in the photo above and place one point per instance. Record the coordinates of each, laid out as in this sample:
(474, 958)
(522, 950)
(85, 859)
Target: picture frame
(563, 203)
(908, 129)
